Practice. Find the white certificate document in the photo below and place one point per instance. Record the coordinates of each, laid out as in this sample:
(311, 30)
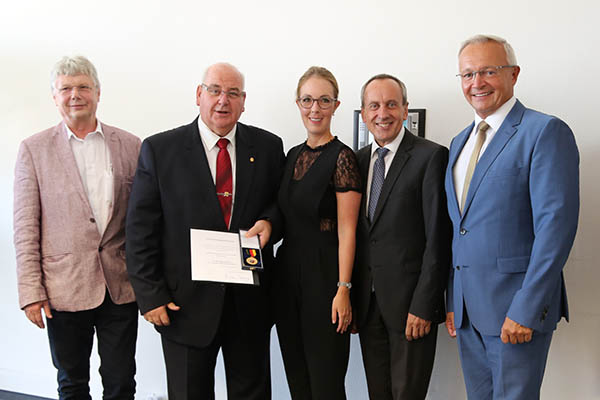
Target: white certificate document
(216, 257)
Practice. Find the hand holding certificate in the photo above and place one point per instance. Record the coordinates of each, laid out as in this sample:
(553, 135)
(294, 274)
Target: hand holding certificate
(225, 257)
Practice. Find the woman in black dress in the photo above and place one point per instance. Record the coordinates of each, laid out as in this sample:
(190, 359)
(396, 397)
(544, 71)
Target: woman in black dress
(319, 198)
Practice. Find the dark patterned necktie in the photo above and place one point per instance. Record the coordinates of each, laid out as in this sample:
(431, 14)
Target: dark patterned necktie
(377, 180)
(224, 181)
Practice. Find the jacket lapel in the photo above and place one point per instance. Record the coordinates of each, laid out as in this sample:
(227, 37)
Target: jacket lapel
(200, 171)
(501, 138)
(245, 157)
(364, 159)
(455, 150)
(114, 148)
(402, 155)
(68, 163)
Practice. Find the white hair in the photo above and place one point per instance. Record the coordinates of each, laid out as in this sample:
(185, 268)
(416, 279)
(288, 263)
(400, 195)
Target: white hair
(224, 64)
(74, 65)
(511, 58)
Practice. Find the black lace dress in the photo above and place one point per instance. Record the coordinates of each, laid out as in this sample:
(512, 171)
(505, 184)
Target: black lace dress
(314, 354)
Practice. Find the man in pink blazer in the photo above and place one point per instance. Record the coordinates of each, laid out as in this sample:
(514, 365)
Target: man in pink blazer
(72, 184)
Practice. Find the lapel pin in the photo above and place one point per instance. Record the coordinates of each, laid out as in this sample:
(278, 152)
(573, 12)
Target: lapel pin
(251, 159)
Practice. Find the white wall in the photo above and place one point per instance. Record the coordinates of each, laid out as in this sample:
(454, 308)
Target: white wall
(150, 56)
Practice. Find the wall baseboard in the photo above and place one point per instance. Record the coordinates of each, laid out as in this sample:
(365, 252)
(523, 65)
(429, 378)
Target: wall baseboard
(6, 395)
(17, 383)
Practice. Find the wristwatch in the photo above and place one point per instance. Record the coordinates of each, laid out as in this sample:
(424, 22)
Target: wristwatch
(345, 284)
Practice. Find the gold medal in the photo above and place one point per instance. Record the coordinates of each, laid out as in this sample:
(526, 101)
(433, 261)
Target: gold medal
(251, 258)
(251, 261)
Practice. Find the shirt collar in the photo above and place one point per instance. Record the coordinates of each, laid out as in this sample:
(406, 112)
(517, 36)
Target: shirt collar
(98, 130)
(210, 138)
(393, 146)
(497, 118)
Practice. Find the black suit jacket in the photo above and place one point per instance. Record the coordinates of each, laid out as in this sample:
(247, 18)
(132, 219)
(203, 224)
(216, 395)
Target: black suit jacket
(173, 191)
(405, 252)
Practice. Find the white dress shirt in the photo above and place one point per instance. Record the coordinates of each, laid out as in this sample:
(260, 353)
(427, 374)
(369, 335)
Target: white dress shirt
(95, 169)
(209, 141)
(462, 162)
(389, 157)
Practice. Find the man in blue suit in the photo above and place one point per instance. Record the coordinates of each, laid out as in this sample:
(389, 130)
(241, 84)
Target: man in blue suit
(512, 185)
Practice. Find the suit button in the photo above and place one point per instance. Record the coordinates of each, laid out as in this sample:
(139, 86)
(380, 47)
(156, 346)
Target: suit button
(92, 220)
(100, 248)
(463, 231)
(458, 267)
(373, 241)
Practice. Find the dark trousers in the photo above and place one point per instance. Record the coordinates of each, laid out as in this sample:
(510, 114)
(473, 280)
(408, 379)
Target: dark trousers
(191, 370)
(395, 368)
(71, 335)
(314, 355)
(494, 370)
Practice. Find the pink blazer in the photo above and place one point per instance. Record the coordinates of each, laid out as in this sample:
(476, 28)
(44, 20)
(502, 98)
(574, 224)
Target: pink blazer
(61, 256)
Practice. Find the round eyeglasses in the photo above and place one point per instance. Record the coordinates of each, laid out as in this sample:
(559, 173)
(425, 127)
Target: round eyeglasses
(324, 102)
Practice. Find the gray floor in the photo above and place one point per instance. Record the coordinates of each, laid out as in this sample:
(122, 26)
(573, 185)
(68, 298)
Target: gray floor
(4, 395)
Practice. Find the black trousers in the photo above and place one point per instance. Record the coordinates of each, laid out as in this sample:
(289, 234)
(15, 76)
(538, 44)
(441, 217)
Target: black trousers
(395, 368)
(314, 355)
(71, 336)
(191, 370)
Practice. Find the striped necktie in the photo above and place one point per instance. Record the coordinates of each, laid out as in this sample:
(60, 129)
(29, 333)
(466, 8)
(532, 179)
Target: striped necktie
(224, 180)
(377, 180)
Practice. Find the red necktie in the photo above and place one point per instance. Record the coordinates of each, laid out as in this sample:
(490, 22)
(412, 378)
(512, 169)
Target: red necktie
(224, 180)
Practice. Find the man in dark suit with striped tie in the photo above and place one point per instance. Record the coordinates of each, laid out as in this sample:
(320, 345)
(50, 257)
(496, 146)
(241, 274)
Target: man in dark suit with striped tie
(403, 247)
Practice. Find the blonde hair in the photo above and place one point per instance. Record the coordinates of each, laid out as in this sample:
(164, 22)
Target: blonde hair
(321, 73)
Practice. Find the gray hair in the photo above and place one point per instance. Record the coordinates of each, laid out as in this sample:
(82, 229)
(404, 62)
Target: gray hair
(224, 64)
(511, 58)
(74, 65)
(383, 76)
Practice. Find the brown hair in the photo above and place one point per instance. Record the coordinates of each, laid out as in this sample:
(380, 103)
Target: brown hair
(383, 76)
(321, 73)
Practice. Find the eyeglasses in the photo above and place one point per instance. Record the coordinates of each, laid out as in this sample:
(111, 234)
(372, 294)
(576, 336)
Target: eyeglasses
(215, 91)
(324, 102)
(487, 72)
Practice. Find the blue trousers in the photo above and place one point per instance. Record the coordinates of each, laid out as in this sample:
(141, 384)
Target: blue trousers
(497, 371)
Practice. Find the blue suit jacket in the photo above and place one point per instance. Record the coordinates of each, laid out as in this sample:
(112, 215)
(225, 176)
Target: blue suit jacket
(519, 221)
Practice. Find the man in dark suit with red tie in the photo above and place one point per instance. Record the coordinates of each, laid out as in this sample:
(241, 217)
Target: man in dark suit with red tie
(215, 174)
